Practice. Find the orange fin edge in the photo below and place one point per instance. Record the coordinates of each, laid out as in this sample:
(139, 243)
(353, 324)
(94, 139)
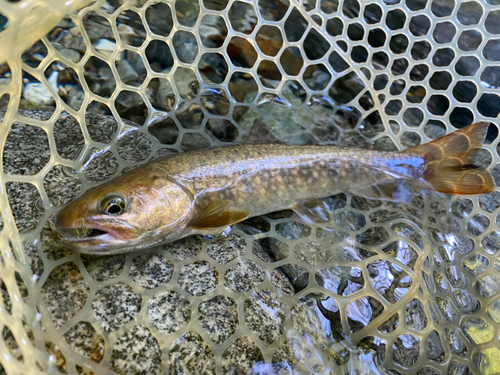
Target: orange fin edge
(450, 162)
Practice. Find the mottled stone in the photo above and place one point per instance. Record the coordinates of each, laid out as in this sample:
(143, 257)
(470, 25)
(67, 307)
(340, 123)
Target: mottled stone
(198, 278)
(24, 200)
(313, 253)
(57, 357)
(84, 339)
(243, 277)
(53, 246)
(62, 185)
(101, 128)
(219, 318)
(309, 321)
(189, 354)
(37, 266)
(183, 249)
(68, 136)
(151, 270)
(169, 311)
(7, 303)
(65, 292)
(136, 352)
(133, 146)
(99, 166)
(115, 305)
(265, 315)
(225, 249)
(11, 344)
(103, 267)
(281, 282)
(241, 357)
(285, 358)
(26, 150)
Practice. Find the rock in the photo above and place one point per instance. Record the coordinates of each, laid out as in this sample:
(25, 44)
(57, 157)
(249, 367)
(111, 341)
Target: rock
(189, 354)
(70, 54)
(105, 46)
(136, 352)
(37, 93)
(65, 293)
(115, 305)
(219, 318)
(126, 71)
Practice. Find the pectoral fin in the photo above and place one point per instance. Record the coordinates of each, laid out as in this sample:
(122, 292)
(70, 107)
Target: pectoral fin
(217, 214)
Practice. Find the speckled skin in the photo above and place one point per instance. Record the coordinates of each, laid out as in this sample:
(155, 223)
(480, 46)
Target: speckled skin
(266, 178)
(168, 198)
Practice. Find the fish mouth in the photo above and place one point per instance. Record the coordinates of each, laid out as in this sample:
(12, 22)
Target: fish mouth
(84, 234)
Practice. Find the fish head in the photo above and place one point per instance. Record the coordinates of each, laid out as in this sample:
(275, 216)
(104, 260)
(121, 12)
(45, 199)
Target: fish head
(133, 212)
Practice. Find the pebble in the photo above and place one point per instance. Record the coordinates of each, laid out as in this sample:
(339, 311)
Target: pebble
(105, 46)
(126, 71)
(70, 54)
(37, 93)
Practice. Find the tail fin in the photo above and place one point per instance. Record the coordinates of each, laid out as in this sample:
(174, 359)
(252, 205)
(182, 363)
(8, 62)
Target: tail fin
(450, 162)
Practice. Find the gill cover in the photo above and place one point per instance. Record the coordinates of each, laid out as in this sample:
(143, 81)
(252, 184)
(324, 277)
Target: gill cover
(134, 211)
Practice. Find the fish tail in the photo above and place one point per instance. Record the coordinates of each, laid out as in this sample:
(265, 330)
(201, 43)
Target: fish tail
(450, 162)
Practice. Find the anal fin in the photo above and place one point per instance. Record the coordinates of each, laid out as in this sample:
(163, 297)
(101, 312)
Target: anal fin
(398, 190)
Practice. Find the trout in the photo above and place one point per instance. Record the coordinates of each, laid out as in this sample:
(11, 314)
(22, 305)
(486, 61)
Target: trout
(205, 191)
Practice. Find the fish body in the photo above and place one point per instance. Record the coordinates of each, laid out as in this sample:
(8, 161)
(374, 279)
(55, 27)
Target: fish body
(203, 192)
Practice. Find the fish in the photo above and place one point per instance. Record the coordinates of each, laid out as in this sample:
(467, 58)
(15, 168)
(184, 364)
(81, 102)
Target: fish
(203, 192)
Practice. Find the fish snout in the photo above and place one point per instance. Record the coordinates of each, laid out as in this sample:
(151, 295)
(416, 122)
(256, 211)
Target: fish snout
(71, 216)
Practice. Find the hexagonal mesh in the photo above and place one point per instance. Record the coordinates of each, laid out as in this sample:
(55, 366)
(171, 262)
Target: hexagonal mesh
(381, 287)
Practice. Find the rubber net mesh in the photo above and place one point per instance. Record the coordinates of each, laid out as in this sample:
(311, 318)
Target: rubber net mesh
(89, 90)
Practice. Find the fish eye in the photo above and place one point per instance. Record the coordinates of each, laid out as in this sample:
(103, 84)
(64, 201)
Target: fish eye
(113, 205)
